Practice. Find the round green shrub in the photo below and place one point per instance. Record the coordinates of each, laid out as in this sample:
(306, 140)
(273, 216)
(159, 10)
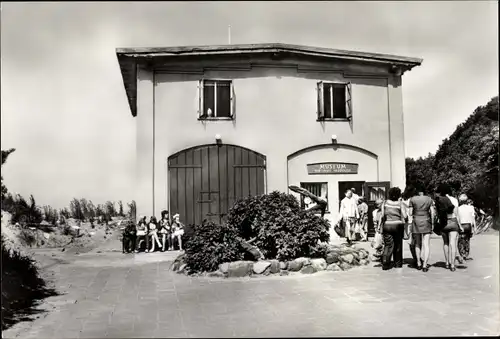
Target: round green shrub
(282, 229)
(211, 245)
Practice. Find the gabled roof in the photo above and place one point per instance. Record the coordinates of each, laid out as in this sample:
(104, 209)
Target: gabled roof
(129, 57)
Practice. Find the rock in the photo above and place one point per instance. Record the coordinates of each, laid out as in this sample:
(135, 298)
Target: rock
(333, 267)
(283, 265)
(344, 266)
(363, 255)
(363, 262)
(308, 270)
(294, 266)
(175, 266)
(355, 255)
(260, 266)
(347, 258)
(182, 268)
(46, 235)
(275, 266)
(319, 264)
(305, 261)
(332, 257)
(267, 271)
(284, 272)
(224, 267)
(216, 274)
(240, 269)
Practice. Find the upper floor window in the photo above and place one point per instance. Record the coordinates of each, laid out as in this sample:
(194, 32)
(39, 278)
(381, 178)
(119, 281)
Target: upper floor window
(216, 100)
(334, 101)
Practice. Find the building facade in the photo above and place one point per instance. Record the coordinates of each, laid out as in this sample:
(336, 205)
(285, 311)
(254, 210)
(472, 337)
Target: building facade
(217, 123)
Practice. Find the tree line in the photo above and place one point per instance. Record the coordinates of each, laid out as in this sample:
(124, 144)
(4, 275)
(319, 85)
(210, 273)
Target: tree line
(467, 161)
(27, 211)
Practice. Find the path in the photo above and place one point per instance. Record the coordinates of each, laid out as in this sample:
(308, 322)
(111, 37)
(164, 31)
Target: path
(118, 296)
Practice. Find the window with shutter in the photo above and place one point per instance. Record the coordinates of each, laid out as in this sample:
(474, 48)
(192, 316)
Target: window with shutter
(216, 100)
(334, 103)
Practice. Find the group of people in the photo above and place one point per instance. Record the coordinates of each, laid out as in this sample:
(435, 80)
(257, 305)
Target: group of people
(164, 233)
(354, 215)
(414, 217)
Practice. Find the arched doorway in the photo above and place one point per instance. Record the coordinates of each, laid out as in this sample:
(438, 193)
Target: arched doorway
(205, 181)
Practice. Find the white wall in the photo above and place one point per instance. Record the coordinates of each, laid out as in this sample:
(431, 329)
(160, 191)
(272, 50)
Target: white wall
(275, 116)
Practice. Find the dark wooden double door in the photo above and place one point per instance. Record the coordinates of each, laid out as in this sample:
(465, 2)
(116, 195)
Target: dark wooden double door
(205, 181)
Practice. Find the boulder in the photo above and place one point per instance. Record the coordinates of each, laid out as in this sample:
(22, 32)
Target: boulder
(284, 272)
(294, 266)
(319, 264)
(363, 255)
(238, 269)
(344, 266)
(275, 266)
(333, 267)
(363, 262)
(175, 266)
(224, 267)
(216, 274)
(308, 270)
(355, 255)
(347, 258)
(267, 271)
(283, 265)
(304, 261)
(260, 266)
(182, 268)
(332, 257)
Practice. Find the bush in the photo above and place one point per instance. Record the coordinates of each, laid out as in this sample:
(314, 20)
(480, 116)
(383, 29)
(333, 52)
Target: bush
(282, 230)
(211, 245)
(27, 237)
(21, 286)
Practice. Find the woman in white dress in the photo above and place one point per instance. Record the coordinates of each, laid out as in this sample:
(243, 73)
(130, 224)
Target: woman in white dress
(177, 230)
(153, 233)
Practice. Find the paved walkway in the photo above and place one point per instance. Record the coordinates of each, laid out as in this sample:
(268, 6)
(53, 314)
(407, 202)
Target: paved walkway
(118, 296)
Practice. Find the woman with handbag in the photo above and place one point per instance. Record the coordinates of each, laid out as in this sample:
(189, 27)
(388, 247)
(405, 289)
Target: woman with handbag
(422, 215)
(449, 223)
(393, 218)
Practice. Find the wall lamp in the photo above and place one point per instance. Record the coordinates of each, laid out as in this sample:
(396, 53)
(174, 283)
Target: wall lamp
(218, 139)
(334, 139)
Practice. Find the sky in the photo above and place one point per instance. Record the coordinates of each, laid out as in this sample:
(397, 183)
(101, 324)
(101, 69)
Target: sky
(64, 108)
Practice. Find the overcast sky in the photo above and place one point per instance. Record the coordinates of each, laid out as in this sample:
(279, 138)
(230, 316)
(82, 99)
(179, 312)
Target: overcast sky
(64, 106)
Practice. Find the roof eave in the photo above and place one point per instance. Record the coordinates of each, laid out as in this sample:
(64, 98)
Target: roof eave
(128, 57)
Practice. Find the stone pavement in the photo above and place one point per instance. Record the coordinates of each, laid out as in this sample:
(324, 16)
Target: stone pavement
(120, 296)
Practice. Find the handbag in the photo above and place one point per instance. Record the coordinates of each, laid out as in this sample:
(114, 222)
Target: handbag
(340, 229)
(378, 242)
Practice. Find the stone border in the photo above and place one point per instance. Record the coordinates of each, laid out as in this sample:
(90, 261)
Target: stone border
(338, 258)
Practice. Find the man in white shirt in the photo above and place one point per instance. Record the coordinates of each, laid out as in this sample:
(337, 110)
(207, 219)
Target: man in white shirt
(467, 216)
(349, 214)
